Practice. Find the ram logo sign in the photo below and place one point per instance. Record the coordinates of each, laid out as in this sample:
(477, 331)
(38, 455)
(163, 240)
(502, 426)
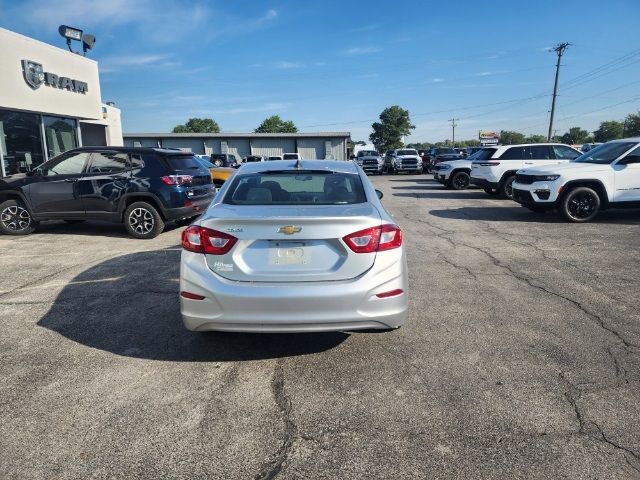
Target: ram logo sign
(35, 76)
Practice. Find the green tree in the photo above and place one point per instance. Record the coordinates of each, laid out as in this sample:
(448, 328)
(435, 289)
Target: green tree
(632, 125)
(609, 130)
(575, 135)
(394, 124)
(536, 139)
(274, 124)
(198, 125)
(508, 137)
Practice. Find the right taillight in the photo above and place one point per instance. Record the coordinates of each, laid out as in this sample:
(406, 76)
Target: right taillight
(375, 239)
(205, 240)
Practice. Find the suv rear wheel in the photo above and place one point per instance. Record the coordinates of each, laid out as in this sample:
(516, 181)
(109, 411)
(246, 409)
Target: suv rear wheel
(580, 204)
(217, 162)
(459, 181)
(506, 188)
(143, 221)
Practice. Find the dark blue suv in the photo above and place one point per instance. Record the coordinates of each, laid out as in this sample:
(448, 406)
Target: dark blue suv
(140, 187)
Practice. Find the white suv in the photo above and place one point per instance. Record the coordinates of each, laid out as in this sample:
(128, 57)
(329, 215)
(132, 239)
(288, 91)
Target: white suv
(455, 174)
(607, 176)
(497, 173)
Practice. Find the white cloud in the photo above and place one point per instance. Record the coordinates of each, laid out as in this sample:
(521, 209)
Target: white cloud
(288, 65)
(360, 50)
(484, 74)
(112, 64)
(437, 80)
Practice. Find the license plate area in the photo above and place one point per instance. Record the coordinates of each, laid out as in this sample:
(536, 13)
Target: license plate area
(289, 253)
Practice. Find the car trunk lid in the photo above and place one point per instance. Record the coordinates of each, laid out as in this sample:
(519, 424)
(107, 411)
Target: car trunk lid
(291, 243)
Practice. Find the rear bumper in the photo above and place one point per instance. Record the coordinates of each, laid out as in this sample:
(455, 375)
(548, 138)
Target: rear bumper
(484, 183)
(193, 208)
(293, 307)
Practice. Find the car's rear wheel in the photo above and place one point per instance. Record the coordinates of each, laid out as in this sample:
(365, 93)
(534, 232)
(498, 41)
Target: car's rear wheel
(143, 221)
(491, 191)
(217, 163)
(580, 204)
(506, 189)
(460, 181)
(15, 219)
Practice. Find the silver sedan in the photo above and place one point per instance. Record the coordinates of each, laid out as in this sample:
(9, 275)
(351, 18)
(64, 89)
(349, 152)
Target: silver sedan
(294, 246)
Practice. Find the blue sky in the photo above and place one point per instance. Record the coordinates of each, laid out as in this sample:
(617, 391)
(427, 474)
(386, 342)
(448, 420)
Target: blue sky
(334, 65)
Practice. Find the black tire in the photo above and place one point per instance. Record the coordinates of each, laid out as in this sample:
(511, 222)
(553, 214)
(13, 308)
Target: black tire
(15, 218)
(460, 181)
(506, 189)
(491, 191)
(537, 208)
(74, 222)
(143, 221)
(580, 204)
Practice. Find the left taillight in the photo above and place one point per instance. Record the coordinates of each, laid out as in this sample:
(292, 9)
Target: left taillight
(375, 239)
(205, 240)
(177, 180)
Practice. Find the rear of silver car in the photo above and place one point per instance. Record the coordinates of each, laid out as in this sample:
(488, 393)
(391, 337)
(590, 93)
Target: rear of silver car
(285, 249)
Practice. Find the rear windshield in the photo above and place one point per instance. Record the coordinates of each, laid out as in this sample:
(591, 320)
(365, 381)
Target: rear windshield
(445, 151)
(296, 188)
(407, 152)
(183, 162)
(290, 156)
(483, 154)
(205, 163)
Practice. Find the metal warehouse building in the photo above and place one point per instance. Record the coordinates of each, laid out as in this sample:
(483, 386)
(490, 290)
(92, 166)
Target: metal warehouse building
(321, 145)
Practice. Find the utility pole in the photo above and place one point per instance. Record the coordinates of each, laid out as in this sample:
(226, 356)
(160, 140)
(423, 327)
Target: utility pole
(453, 126)
(559, 49)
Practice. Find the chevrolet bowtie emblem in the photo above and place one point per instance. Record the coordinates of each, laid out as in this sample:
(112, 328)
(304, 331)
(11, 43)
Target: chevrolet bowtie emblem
(289, 230)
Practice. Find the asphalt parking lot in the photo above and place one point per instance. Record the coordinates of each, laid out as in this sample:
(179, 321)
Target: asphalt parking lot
(520, 358)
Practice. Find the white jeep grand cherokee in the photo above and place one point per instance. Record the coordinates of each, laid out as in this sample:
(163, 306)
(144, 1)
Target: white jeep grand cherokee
(607, 176)
(497, 173)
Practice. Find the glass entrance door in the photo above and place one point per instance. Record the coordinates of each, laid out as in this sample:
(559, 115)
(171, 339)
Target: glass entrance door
(20, 141)
(61, 134)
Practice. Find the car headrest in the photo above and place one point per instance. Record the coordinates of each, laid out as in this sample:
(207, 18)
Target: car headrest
(259, 195)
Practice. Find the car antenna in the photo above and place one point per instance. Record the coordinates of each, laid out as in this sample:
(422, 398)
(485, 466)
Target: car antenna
(298, 165)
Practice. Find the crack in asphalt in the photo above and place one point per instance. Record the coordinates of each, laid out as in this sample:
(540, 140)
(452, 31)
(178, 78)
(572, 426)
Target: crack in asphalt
(273, 467)
(525, 279)
(572, 395)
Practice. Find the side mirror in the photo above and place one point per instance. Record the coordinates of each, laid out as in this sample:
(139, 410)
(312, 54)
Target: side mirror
(379, 194)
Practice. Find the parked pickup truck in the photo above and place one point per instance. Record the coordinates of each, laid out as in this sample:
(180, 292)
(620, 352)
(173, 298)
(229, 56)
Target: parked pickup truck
(370, 161)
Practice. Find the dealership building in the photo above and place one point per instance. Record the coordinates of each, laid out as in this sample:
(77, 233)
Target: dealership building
(319, 145)
(50, 102)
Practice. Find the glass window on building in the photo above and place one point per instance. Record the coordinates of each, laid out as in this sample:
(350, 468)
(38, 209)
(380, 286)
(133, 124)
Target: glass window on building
(61, 135)
(20, 141)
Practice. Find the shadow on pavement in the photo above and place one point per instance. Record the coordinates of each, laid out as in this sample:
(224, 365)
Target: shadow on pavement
(447, 195)
(521, 214)
(91, 228)
(129, 306)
